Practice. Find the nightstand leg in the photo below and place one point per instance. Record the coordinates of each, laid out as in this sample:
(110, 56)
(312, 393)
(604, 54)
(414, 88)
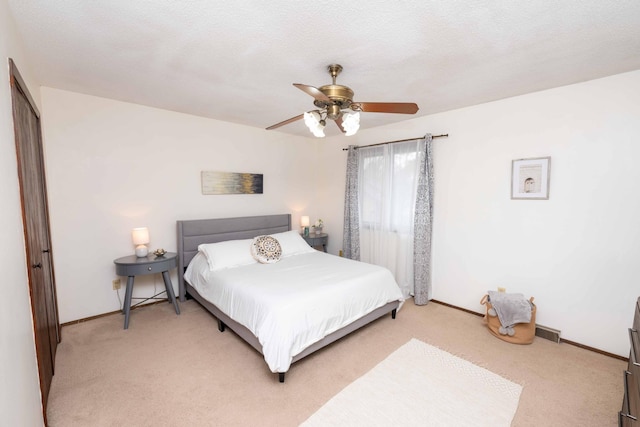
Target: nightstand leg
(127, 301)
(170, 294)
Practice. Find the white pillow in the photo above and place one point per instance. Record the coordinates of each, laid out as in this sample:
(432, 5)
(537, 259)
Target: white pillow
(292, 243)
(266, 249)
(232, 253)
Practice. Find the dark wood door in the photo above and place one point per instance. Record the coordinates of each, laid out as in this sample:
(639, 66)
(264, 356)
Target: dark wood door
(33, 193)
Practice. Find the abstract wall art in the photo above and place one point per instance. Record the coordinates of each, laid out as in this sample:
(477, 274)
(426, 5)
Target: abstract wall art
(231, 183)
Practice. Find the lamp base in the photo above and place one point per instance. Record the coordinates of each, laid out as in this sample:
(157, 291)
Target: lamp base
(142, 251)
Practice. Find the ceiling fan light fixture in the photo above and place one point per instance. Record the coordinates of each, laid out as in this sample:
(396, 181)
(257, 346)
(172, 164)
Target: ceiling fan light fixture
(315, 123)
(332, 100)
(351, 123)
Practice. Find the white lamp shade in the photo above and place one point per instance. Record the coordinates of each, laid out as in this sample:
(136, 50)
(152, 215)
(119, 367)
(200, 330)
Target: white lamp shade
(140, 236)
(311, 119)
(304, 221)
(351, 123)
(319, 131)
(315, 124)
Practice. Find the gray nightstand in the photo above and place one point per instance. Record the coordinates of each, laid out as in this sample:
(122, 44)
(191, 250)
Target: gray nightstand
(317, 240)
(132, 266)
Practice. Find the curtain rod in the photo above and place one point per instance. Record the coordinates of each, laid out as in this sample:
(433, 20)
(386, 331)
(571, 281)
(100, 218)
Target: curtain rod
(444, 135)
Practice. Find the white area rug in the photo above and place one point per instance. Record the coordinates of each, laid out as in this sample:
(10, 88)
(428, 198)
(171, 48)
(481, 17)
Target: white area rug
(421, 385)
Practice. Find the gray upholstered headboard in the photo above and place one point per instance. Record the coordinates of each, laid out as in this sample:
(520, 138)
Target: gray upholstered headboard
(192, 233)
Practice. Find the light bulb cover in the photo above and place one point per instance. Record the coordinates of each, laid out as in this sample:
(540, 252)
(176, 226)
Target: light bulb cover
(314, 122)
(311, 119)
(351, 123)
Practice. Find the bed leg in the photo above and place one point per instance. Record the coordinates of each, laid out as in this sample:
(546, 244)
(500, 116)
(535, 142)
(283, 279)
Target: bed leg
(221, 326)
(281, 376)
(393, 313)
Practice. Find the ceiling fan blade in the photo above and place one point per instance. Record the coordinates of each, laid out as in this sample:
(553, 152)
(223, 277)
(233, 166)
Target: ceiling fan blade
(339, 123)
(385, 107)
(315, 92)
(286, 122)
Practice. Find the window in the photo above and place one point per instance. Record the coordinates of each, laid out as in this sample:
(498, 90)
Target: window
(387, 181)
(387, 185)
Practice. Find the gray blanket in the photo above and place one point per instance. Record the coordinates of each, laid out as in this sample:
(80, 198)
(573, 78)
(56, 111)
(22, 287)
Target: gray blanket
(510, 308)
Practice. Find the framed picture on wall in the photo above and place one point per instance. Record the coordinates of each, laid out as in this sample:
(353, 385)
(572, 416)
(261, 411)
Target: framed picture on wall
(530, 178)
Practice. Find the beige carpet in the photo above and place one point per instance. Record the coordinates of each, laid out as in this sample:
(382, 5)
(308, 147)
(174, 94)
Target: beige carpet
(170, 370)
(421, 385)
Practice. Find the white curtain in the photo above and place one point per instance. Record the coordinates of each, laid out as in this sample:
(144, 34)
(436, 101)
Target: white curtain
(387, 183)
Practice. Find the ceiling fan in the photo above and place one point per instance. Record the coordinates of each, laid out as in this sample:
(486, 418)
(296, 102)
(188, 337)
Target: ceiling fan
(335, 102)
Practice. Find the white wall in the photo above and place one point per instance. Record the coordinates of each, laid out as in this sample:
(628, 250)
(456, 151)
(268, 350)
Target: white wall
(20, 402)
(113, 166)
(576, 253)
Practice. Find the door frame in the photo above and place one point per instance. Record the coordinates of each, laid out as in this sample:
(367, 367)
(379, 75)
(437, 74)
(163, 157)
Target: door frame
(19, 88)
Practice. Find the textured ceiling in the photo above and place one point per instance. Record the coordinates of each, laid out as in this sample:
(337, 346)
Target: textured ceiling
(236, 60)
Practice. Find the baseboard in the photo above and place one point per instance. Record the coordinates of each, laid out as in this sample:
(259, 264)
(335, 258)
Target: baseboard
(458, 308)
(86, 319)
(560, 340)
(595, 350)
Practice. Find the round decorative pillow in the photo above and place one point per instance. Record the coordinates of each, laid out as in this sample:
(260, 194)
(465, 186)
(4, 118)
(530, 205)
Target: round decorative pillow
(266, 249)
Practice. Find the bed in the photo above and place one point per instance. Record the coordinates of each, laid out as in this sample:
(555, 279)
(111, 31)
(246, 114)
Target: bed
(276, 318)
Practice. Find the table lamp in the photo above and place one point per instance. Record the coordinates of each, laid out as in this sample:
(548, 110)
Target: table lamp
(140, 238)
(304, 222)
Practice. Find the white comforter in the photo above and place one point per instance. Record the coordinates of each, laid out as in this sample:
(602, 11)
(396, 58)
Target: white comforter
(295, 302)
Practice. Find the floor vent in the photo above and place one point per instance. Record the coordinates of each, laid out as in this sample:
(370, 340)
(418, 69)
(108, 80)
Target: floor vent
(548, 333)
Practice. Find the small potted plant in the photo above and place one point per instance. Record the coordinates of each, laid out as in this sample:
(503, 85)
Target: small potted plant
(318, 226)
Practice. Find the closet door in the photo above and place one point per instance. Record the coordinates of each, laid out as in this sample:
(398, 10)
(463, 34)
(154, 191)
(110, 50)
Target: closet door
(36, 229)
